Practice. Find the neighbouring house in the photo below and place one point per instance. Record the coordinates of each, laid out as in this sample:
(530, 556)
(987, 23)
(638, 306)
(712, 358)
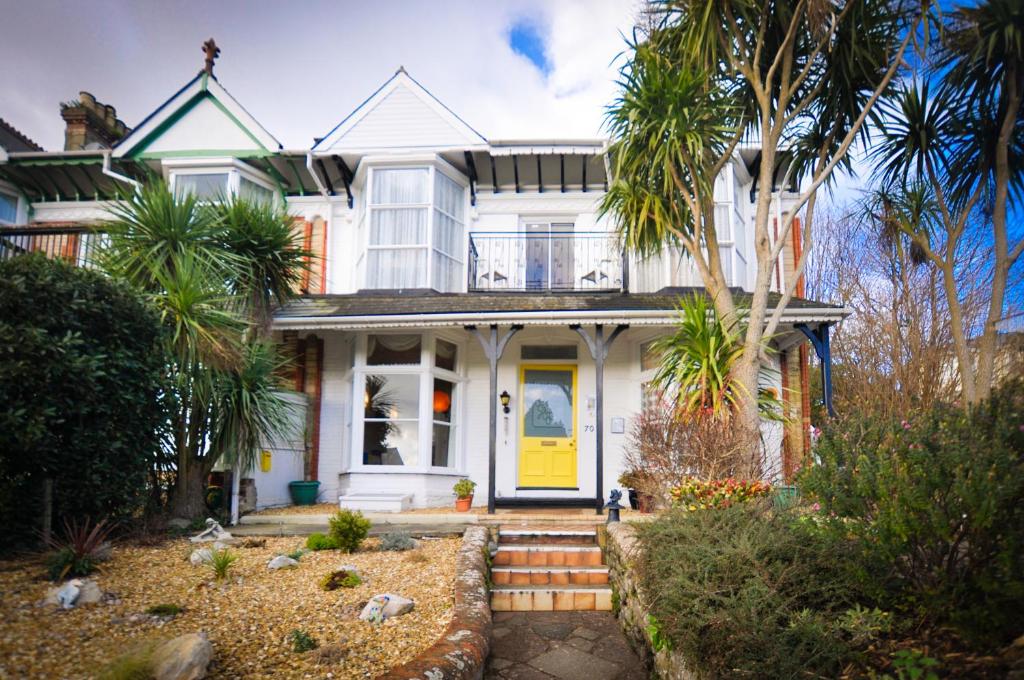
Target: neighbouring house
(470, 313)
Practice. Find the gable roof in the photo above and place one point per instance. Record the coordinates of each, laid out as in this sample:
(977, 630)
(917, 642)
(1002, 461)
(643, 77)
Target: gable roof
(200, 119)
(401, 113)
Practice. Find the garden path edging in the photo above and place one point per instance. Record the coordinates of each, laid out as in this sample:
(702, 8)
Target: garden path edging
(462, 651)
(620, 548)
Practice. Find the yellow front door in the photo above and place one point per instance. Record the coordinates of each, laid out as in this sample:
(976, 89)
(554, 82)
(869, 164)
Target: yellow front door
(547, 427)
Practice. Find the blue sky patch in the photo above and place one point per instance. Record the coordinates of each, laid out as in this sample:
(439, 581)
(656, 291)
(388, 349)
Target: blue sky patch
(525, 39)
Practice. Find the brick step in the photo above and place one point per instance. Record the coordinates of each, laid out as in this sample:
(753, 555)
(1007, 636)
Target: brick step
(550, 598)
(556, 576)
(547, 537)
(548, 556)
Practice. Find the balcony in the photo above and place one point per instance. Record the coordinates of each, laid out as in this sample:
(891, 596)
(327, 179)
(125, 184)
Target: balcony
(77, 245)
(552, 261)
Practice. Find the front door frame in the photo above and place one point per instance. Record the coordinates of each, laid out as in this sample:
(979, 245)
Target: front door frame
(521, 426)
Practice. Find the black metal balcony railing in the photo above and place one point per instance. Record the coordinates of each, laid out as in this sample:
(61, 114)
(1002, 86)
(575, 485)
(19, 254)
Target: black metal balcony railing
(77, 245)
(556, 261)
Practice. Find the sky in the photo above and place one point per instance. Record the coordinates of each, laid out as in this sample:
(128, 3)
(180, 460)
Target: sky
(509, 69)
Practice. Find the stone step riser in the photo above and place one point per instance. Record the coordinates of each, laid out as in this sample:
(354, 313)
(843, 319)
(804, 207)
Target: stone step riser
(548, 558)
(551, 600)
(542, 577)
(546, 539)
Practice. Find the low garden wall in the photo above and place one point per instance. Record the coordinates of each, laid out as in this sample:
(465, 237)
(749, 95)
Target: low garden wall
(621, 544)
(462, 652)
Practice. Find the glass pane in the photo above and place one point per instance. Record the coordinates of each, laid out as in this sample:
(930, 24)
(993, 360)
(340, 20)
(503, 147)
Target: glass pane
(548, 352)
(649, 359)
(403, 185)
(393, 269)
(447, 355)
(398, 226)
(447, 235)
(391, 442)
(443, 446)
(8, 207)
(448, 195)
(205, 187)
(444, 400)
(383, 350)
(547, 403)
(446, 273)
(256, 193)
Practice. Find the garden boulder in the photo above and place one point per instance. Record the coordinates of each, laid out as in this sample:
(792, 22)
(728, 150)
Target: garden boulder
(201, 556)
(385, 606)
(282, 562)
(183, 658)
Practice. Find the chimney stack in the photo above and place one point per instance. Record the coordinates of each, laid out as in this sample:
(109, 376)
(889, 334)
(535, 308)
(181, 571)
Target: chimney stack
(90, 124)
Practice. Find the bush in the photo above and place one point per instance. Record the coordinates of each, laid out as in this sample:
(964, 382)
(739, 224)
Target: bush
(320, 541)
(342, 578)
(81, 379)
(398, 540)
(695, 494)
(302, 641)
(745, 590)
(348, 529)
(81, 548)
(935, 507)
(221, 563)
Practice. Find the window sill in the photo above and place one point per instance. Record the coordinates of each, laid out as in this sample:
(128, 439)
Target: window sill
(402, 470)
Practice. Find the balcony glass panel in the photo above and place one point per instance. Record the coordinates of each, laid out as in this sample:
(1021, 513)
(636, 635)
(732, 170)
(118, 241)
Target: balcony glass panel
(545, 257)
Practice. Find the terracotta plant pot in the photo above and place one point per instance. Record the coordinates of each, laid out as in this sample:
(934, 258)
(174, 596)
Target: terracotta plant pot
(645, 502)
(463, 504)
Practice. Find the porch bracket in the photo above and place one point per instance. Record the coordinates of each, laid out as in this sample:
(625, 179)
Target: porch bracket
(599, 346)
(494, 347)
(820, 341)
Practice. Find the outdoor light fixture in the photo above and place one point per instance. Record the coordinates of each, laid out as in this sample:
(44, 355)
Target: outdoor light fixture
(505, 399)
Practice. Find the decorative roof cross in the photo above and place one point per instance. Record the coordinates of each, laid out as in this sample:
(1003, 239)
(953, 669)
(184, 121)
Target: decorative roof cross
(211, 51)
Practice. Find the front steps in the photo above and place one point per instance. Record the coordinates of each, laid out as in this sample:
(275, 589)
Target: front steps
(376, 502)
(549, 570)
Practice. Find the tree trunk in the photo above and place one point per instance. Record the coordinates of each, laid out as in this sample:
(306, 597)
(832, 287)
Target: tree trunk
(189, 497)
(963, 353)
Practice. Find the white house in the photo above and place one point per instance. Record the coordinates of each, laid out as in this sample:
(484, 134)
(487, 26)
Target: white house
(458, 273)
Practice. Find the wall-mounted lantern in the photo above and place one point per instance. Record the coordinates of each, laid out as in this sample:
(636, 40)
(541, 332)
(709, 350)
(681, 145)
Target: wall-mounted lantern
(505, 399)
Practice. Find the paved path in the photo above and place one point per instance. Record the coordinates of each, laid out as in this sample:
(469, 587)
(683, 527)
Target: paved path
(563, 645)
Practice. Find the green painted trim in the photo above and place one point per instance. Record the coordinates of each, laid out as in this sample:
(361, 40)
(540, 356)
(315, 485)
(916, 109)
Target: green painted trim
(204, 153)
(166, 124)
(298, 177)
(278, 179)
(28, 162)
(237, 122)
(204, 81)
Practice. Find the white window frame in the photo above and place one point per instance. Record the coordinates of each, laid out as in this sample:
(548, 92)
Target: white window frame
(426, 371)
(19, 204)
(365, 220)
(234, 169)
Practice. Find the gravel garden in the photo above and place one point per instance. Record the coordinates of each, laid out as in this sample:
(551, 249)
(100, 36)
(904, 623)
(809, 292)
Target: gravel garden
(261, 622)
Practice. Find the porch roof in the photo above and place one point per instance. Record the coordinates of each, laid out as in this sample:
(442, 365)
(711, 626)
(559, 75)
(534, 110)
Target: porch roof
(406, 309)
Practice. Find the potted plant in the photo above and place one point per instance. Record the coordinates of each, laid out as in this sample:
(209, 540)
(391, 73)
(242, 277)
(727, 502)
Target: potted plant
(464, 494)
(305, 491)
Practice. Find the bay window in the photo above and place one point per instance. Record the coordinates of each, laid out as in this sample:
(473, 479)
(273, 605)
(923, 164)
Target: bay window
(408, 385)
(217, 182)
(416, 226)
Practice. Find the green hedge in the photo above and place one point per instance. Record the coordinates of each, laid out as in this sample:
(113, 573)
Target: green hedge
(80, 394)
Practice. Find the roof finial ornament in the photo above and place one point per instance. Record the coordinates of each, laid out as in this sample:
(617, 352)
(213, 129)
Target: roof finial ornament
(401, 69)
(211, 51)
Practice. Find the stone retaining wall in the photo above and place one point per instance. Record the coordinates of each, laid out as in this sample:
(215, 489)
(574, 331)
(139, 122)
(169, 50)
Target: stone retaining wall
(620, 548)
(462, 652)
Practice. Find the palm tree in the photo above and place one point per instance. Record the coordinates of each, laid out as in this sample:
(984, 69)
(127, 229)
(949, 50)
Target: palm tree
(797, 79)
(214, 271)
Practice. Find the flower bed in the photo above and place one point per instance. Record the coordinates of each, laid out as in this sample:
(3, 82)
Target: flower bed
(249, 619)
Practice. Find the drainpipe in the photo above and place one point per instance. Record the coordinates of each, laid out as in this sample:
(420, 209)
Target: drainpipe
(316, 177)
(118, 176)
(235, 487)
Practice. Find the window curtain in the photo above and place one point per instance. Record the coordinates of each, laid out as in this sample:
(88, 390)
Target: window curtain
(396, 226)
(449, 227)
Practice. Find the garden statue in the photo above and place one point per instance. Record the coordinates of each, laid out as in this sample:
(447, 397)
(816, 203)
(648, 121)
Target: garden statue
(213, 532)
(613, 506)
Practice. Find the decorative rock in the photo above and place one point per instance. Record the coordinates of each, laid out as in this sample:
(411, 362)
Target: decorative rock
(74, 593)
(88, 593)
(385, 606)
(213, 532)
(183, 658)
(201, 556)
(282, 562)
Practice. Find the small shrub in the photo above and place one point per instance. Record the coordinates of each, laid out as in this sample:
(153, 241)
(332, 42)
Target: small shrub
(297, 553)
(910, 664)
(464, 488)
(136, 664)
(302, 641)
(745, 590)
(348, 529)
(342, 578)
(80, 549)
(164, 610)
(397, 541)
(696, 494)
(933, 505)
(321, 542)
(221, 563)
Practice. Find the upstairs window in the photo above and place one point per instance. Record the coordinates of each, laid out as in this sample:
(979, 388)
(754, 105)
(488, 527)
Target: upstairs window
(8, 207)
(416, 227)
(205, 187)
(217, 183)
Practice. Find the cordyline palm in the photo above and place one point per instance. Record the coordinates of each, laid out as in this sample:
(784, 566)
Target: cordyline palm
(797, 79)
(210, 276)
(697, 360)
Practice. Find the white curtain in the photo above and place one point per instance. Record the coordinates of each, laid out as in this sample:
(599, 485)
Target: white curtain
(396, 226)
(449, 227)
